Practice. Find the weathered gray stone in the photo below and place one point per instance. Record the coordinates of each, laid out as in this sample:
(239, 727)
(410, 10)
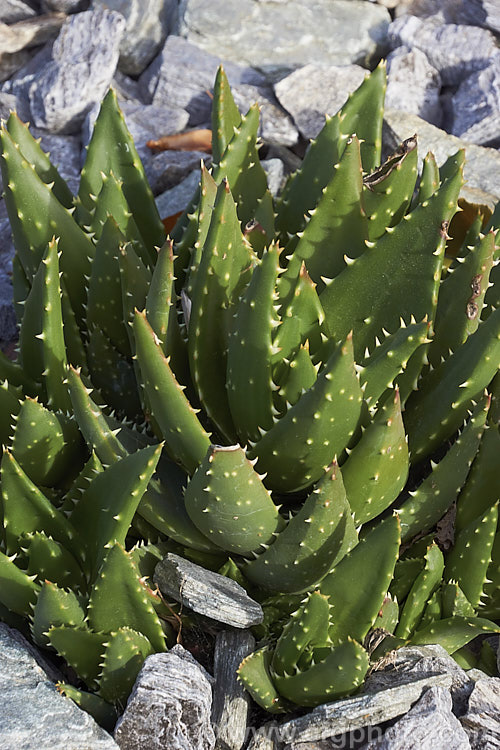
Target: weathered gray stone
(430, 724)
(176, 199)
(64, 152)
(183, 76)
(349, 714)
(417, 662)
(29, 33)
(83, 61)
(231, 702)
(31, 709)
(313, 91)
(413, 84)
(19, 84)
(278, 37)
(208, 593)
(66, 6)
(8, 104)
(148, 122)
(455, 51)
(8, 321)
(147, 24)
(12, 11)
(476, 106)
(165, 170)
(485, 13)
(169, 706)
(276, 177)
(482, 165)
(127, 89)
(482, 720)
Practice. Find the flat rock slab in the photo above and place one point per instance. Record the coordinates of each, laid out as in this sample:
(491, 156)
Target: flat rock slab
(169, 706)
(346, 715)
(207, 593)
(82, 64)
(313, 91)
(430, 724)
(32, 712)
(278, 37)
(231, 704)
(482, 720)
(30, 32)
(482, 165)
(417, 662)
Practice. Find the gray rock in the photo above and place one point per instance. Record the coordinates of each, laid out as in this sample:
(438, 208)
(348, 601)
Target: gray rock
(83, 61)
(169, 706)
(147, 24)
(176, 199)
(31, 32)
(8, 104)
(313, 91)
(208, 593)
(19, 84)
(482, 720)
(278, 37)
(12, 11)
(276, 176)
(455, 51)
(127, 89)
(150, 122)
(231, 702)
(8, 321)
(476, 106)
(183, 76)
(481, 13)
(417, 662)
(64, 152)
(66, 6)
(6, 242)
(482, 165)
(430, 724)
(32, 710)
(349, 714)
(165, 170)
(413, 84)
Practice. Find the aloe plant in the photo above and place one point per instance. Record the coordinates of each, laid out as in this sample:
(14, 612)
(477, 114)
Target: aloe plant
(293, 391)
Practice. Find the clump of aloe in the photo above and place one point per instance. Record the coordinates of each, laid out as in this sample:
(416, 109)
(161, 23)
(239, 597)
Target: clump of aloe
(293, 391)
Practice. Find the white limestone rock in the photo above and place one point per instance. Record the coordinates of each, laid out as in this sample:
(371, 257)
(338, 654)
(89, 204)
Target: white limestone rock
(476, 106)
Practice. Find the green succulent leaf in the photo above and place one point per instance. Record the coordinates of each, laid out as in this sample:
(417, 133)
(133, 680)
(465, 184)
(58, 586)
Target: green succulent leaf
(111, 150)
(54, 607)
(420, 593)
(81, 648)
(18, 590)
(313, 542)
(228, 503)
(359, 583)
(377, 467)
(118, 599)
(124, 656)
(26, 509)
(299, 446)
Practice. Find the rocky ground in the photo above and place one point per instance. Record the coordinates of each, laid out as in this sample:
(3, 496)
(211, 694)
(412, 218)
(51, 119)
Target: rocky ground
(300, 60)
